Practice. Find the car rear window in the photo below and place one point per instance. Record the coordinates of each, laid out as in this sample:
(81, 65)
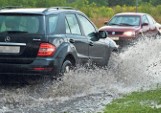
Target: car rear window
(21, 23)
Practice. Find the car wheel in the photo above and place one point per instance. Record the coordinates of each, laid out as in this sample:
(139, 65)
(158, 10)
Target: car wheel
(158, 35)
(66, 67)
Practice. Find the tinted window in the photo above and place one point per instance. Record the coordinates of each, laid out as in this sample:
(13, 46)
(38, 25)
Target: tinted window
(30, 24)
(125, 20)
(73, 24)
(52, 23)
(87, 26)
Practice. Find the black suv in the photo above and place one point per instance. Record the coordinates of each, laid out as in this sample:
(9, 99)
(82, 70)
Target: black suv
(47, 41)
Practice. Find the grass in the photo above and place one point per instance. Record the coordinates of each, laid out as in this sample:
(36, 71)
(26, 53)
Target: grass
(137, 102)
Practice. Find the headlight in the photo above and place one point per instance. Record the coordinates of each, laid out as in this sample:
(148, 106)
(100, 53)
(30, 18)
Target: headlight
(129, 33)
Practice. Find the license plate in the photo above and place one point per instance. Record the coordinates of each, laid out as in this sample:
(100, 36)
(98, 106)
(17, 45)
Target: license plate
(9, 49)
(114, 38)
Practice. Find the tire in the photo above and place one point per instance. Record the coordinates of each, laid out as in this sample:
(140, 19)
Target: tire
(158, 35)
(66, 67)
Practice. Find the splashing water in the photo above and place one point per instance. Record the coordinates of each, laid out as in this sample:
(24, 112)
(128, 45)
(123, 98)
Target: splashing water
(87, 90)
(138, 67)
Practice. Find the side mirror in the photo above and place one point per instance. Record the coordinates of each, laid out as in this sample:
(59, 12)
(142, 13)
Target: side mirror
(144, 24)
(103, 34)
(106, 22)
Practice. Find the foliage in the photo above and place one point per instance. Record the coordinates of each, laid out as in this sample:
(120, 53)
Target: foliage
(47, 3)
(121, 2)
(100, 2)
(95, 8)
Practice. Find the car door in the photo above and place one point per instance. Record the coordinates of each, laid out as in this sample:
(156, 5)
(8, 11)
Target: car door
(75, 37)
(153, 28)
(145, 26)
(98, 50)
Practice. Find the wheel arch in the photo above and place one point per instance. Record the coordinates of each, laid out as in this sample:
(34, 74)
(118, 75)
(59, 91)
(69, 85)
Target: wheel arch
(71, 58)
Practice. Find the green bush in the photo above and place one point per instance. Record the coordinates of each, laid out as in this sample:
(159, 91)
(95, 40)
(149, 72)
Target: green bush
(92, 10)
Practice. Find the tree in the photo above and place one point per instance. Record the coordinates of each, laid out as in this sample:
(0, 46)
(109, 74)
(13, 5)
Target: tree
(147, 1)
(99, 2)
(155, 2)
(121, 2)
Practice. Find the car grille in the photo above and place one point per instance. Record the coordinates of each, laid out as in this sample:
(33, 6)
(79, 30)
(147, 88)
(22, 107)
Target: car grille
(115, 33)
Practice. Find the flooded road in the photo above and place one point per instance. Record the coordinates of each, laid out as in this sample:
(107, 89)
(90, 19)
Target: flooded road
(138, 68)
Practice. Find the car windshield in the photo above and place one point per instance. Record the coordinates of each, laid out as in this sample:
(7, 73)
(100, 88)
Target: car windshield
(125, 20)
(21, 24)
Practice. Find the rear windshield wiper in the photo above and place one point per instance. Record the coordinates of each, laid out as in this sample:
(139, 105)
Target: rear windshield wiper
(14, 32)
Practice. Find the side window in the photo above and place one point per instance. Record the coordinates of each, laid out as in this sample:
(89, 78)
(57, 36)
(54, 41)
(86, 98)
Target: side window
(52, 22)
(88, 28)
(144, 19)
(67, 27)
(73, 24)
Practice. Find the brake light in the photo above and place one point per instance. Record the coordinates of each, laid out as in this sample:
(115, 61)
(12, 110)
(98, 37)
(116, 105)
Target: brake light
(42, 69)
(46, 50)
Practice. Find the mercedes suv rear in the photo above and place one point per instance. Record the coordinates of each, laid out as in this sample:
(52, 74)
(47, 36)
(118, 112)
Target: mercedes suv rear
(48, 41)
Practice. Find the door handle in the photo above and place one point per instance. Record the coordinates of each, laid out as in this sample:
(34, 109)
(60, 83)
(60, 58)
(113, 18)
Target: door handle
(71, 40)
(91, 43)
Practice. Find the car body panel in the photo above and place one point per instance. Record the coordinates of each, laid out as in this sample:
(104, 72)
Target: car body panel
(99, 52)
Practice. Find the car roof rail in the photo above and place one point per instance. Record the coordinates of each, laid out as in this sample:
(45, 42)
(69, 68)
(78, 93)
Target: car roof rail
(10, 7)
(50, 8)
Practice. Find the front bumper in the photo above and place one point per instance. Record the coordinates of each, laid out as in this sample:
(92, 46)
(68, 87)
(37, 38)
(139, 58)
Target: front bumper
(123, 41)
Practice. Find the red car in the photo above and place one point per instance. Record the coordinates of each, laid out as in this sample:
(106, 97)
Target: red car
(125, 27)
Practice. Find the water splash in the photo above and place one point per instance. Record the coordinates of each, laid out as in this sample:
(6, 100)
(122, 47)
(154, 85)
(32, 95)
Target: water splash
(137, 68)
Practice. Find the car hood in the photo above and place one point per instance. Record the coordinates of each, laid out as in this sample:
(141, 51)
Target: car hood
(119, 28)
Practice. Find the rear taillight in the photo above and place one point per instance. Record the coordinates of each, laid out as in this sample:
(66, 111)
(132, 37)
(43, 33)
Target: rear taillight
(42, 69)
(46, 50)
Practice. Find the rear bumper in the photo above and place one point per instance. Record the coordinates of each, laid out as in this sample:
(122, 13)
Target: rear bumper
(40, 66)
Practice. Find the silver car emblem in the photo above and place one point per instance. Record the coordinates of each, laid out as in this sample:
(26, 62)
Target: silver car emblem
(7, 39)
(113, 33)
